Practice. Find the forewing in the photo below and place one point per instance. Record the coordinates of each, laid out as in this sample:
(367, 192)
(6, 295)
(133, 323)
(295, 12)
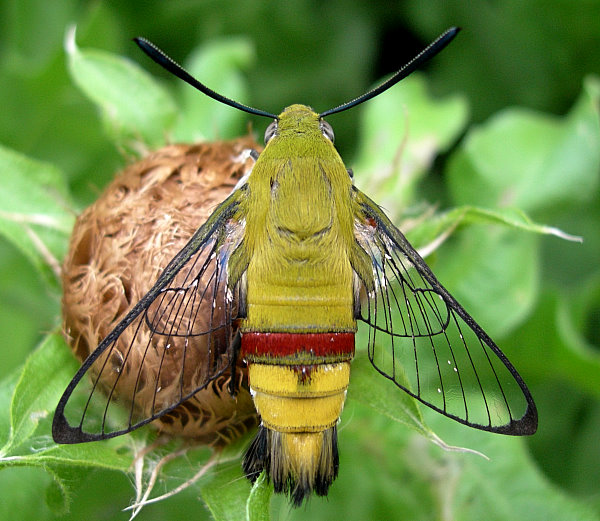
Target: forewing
(174, 342)
(426, 343)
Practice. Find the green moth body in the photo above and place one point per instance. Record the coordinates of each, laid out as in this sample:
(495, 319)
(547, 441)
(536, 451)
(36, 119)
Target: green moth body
(299, 231)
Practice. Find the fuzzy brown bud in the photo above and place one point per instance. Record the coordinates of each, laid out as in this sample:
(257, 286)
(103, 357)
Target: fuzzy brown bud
(119, 247)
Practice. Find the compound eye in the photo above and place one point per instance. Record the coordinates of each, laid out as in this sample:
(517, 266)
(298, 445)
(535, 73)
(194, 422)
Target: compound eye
(326, 130)
(271, 131)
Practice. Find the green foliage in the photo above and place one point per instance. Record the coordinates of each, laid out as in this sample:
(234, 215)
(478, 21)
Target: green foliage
(219, 64)
(34, 214)
(531, 157)
(258, 500)
(400, 136)
(132, 105)
(529, 160)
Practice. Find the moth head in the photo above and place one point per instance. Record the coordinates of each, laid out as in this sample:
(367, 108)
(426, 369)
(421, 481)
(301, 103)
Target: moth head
(299, 120)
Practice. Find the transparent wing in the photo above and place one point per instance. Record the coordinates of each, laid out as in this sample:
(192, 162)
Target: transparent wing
(174, 342)
(428, 345)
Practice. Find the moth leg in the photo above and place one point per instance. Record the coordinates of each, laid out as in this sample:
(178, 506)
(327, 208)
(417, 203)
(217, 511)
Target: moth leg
(245, 154)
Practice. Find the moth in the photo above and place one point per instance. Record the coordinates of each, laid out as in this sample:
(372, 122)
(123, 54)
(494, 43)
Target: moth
(279, 278)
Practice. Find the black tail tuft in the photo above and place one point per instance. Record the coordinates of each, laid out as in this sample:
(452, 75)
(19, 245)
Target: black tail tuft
(297, 463)
(258, 456)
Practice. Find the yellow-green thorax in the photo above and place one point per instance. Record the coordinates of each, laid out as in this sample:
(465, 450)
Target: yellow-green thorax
(299, 232)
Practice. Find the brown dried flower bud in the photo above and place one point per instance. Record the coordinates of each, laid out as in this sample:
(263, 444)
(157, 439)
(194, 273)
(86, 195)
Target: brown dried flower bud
(119, 247)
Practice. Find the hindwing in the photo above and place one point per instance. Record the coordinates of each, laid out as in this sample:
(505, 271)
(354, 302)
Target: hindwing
(423, 340)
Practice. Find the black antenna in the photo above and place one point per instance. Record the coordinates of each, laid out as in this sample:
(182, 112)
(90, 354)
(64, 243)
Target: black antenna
(429, 52)
(173, 67)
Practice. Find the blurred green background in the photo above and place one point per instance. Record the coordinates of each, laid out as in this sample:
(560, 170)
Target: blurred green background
(518, 53)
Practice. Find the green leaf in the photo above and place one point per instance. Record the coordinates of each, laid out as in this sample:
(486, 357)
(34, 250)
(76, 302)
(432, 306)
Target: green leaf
(530, 160)
(553, 328)
(28, 401)
(494, 273)
(559, 357)
(7, 387)
(59, 492)
(428, 234)
(217, 64)
(133, 106)
(369, 388)
(401, 134)
(37, 391)
(27, 424)
(578, 356)
(507, 486)
(34, 211)
(259, 499)
(226, 492)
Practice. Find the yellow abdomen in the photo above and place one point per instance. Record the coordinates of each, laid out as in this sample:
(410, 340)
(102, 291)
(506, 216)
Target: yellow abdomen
(298, 333)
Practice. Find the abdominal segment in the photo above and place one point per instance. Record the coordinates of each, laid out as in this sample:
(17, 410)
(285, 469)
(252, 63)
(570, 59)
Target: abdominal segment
(298, 382)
